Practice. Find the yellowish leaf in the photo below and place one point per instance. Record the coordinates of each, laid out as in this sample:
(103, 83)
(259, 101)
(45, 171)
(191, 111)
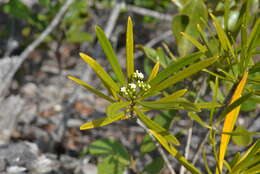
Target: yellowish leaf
(154, 71)
(129, 48)
(103, 121)
(230, 121)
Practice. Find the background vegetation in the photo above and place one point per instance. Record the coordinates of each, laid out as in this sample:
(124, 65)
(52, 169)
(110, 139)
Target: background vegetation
(200, 59)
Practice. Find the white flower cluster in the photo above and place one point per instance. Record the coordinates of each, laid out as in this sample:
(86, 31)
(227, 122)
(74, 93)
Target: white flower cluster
(129, 90)
(136, 85)
(138, 75)
(144, 86)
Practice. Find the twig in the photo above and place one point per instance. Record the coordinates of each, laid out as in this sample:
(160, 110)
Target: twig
(137, 10)
(177, 3)
(113, 18)
(24, 55)
(161, 151)
(154, 41)
(147, 12)
(187, 148)
(196, 156)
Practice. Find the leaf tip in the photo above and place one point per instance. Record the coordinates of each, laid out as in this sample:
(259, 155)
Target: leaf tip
(83, 127)
(211, 15)
(70, 77)
(129, 19)
(96, 26)
(81, 54)
(84, 56)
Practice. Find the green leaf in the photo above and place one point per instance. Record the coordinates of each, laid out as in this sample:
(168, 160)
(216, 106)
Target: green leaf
(233, 19)
(45, 3)
(173, 96)
(175, 153)
(206, 105)
(162, 57)
(109, 147)
(18, 9)
(192, 69)
(242, 140)
(248, 106)
(164, 119)
(205, 161)
(226, 13)
(255, 169)
(253, 150)
(250, 157)
(179, 24)
(234, 159)
(225, 43)
(90, 88)
(212, 44)
(254, 36)
(113, 108)
(105, 78)
(156, 127)
(156, 55)
(110, 54)
(233, 106)
(103, 121)
(110, 165)
(79, 37)
(155, 166)
(129, 49)
(177, 104)
(196, 118)
(255, 68)
(147, 145)
(191, 14)
(154, 71)
(175, 67)
(201, 47)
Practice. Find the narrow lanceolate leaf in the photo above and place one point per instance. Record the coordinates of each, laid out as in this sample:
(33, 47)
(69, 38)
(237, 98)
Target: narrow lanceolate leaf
(192, 69)
(174, 152)
(175, 67)
(206, 105)
(129, 48)
(232, 106)
(113, 108)
(230, 121)
(247, 157)
(157, 128)
(105, 78)
(222, 36)
(179, 103)
(103, 121)
(194, 42)
(173, 96)
(90, 88)
(254, 37)
(196, 118)
(154, 71)
(110, 54)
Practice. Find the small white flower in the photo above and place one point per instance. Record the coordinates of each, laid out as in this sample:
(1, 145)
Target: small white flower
(140, 75)
(123, 89)
(132, 85)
